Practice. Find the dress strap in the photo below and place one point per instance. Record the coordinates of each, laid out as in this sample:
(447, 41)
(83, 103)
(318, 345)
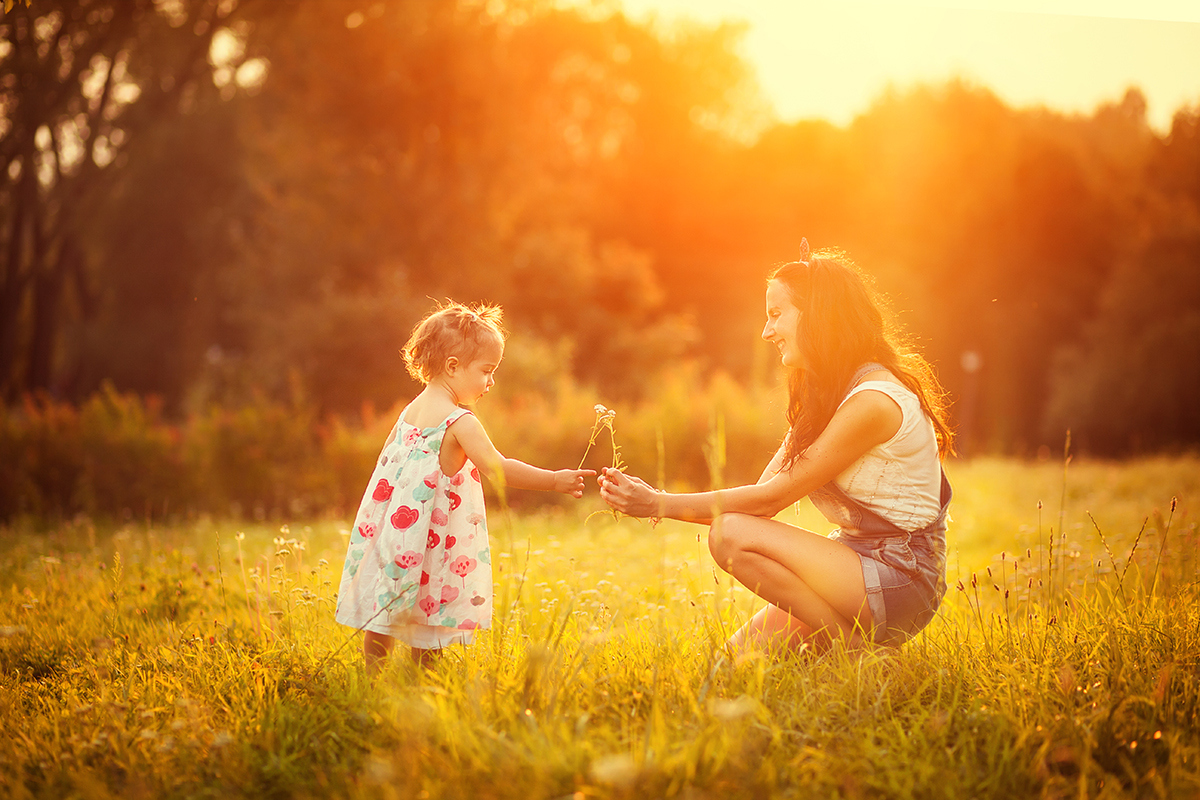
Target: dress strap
(456, 415)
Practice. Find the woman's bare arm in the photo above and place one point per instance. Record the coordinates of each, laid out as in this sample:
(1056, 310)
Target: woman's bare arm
(864, 421)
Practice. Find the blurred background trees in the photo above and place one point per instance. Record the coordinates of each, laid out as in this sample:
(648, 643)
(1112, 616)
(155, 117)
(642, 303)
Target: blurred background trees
(213, 201)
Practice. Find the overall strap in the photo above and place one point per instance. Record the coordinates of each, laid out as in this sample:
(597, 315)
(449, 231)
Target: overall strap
(862, 372)
(843, 509)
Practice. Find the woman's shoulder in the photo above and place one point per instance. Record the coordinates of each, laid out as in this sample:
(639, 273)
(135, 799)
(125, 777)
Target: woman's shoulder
(882, 380)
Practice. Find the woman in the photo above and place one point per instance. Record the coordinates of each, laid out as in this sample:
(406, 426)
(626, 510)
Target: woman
(866, 432)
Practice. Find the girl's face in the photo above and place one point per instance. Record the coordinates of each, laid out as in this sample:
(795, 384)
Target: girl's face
(469, 382)
(783, 324)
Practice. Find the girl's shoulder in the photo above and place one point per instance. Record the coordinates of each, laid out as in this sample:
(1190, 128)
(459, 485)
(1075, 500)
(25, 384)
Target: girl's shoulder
(429, 416)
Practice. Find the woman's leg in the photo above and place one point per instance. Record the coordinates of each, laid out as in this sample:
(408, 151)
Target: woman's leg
(814, 584)
(376, 647)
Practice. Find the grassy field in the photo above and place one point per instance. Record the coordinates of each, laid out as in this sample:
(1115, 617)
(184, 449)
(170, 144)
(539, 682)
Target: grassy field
(202, 660)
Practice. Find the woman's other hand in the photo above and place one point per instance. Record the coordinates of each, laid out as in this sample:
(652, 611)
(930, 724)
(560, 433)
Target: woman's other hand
(628, 494)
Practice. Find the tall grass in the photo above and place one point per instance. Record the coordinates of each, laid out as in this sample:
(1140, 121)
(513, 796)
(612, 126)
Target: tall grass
(186, 661)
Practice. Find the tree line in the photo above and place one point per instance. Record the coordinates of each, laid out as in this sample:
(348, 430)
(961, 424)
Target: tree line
(217, 200)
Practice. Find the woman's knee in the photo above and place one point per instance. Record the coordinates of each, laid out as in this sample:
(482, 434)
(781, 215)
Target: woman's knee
(727, 538)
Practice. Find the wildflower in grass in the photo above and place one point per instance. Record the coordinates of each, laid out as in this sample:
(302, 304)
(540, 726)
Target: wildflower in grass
(604, 421)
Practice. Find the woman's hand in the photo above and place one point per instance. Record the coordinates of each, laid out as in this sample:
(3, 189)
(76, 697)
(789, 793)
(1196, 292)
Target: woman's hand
(570, 481)
(629, 495)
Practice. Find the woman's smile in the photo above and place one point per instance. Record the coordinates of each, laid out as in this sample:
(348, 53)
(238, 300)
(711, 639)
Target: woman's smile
(783, 324)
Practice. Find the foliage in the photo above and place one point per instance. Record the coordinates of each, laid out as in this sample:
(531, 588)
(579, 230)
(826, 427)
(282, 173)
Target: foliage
(284, 190)
(82, 78)
(186, 661)
(1141, 357)
(118, 457)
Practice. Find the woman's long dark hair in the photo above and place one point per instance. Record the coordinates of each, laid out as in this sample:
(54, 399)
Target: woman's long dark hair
(842, 326)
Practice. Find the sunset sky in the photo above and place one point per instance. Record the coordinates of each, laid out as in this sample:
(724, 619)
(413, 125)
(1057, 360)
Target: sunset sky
(830, 59)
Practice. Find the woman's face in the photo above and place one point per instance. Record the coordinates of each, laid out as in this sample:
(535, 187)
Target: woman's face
(783, 324)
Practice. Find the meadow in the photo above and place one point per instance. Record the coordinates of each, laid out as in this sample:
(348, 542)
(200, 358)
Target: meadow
(202, 660)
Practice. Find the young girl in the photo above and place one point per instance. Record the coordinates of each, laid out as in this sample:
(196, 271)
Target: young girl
(418, 568)
(867, 428)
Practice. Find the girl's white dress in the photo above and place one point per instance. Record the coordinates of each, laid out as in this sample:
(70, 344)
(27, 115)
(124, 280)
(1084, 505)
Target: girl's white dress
(418, 565)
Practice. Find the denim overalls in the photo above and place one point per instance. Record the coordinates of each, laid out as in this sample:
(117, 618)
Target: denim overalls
(905, 573)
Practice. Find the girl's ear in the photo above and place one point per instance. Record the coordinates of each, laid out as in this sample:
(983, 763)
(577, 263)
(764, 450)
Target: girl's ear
(451, 365)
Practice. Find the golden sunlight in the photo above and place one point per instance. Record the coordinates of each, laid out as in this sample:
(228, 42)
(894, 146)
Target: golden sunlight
(831, 60)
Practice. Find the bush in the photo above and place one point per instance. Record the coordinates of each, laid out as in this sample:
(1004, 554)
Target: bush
(117, 457)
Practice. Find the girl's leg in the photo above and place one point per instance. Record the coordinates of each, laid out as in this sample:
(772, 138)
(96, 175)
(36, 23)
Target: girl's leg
(376, 647)
(425, 658)
(814, 584)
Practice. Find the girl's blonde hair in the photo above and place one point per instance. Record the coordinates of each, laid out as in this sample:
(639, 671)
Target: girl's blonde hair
(452, 329)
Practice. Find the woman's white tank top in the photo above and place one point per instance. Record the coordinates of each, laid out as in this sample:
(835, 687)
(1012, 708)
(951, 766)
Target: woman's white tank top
(901, 479)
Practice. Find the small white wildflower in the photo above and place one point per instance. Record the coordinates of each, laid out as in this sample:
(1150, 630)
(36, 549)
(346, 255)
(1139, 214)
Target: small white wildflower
(730, 710)
(617, 770)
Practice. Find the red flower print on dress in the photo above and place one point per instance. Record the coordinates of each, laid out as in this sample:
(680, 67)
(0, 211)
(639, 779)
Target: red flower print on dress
(404, 517)
(431, 480)
(478, 600)
(449, 593)
(463, 565)
(428, 604)
(439, 517)
(424, 578)
(455, 500)
(383, 491)
(450, 540)
(411, 435)
(475, 474)
(433, 540)
(408, 559)
(457, 480)
(468, 625)
(368, 530)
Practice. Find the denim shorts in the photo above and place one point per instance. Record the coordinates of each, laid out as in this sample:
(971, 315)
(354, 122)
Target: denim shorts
(905, 578)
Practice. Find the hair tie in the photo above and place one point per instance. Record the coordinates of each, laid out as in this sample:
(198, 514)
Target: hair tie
(804, 251)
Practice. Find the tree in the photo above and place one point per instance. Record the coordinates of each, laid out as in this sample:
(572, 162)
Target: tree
(79, 79)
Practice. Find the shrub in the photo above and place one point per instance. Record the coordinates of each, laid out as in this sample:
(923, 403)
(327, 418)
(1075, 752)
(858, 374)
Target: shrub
(116, 456)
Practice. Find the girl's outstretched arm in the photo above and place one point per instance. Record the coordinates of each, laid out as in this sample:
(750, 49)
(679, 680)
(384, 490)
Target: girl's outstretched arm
(469, 434)
(865, 420)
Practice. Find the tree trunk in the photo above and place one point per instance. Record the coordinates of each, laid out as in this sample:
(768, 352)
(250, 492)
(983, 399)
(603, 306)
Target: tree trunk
(47, 319)
(16, 277)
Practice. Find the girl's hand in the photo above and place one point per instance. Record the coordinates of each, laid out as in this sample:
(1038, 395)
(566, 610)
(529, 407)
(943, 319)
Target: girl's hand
(628, 494)
(570, 481)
